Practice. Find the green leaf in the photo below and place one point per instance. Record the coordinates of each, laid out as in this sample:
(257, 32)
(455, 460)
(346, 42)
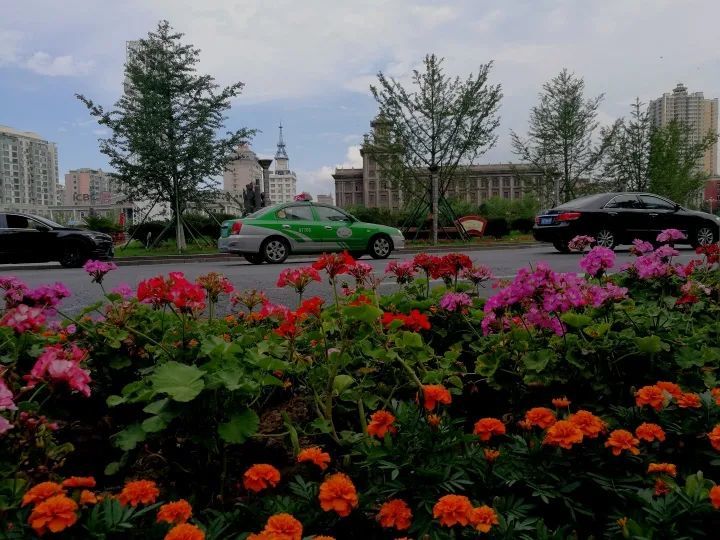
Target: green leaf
(156, 407)
(129, 437)
(411, 340)
(154, 424)
(114, 401)
(365, 313)
(342, 383)
(181, 382)
(597, 330)
(112, 468)
(575, 320)
(649, 344)
(240, 427)
(487, 365)
(538, 360)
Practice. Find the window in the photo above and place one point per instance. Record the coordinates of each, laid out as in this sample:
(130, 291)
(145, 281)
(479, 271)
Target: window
(21, 222)
(624, 201)
(656, 203)
(325, 213)
(295, 213)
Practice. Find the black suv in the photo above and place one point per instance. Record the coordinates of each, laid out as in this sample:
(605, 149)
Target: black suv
(26, 238)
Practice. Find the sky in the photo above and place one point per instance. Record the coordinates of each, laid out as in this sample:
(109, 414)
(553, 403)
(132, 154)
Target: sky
(309, 64)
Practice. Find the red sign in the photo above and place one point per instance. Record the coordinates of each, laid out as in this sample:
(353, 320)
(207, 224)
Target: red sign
(473, 225)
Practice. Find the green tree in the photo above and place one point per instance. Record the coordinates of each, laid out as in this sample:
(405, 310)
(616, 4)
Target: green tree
(562, 136)
(429, 129)
(164, 143)
(627, 159)
(674, 165)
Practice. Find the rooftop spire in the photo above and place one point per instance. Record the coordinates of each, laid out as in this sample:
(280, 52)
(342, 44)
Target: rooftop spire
(281, 153)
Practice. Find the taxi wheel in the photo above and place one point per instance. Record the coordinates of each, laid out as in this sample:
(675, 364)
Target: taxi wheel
(253, 258)
(275, 250)
(380, 246)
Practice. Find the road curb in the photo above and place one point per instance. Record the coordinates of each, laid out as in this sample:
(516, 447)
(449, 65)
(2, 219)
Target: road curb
(210, 257)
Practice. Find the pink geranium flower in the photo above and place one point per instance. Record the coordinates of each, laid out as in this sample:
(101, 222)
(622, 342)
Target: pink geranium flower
(98, 269)
(455, 301)
(670, 235)
(403, 271)
(4, 425)
(61, 365)
(6, 398)
(598, 261)
(24, 319)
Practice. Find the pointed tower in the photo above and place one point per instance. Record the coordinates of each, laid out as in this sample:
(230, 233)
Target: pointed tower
(281, 157)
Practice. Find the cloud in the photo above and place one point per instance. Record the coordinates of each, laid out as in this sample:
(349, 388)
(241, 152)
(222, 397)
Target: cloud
(55, 66)
(320, 180)
(101, 132)
(9, 41)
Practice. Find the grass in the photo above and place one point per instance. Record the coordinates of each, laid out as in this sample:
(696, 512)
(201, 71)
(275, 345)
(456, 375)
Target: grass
(136, 249)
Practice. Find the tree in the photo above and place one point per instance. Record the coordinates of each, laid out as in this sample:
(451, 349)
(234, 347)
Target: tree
(427, 131)
(628, 156)
(164, 144)
(674, 165)
(562, 137)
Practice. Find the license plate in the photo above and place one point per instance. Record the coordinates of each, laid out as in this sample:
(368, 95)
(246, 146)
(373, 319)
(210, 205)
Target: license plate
(546, 221)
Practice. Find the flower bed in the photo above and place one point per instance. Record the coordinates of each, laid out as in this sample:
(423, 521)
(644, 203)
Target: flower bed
(561, 407)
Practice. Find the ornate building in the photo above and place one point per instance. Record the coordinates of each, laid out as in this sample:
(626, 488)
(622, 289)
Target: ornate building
(283, 181)
(472, 183)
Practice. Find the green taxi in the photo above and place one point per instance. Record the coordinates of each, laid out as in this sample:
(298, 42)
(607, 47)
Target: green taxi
(273, 233)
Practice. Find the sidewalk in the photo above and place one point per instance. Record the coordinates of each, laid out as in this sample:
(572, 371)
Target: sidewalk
(210, 257)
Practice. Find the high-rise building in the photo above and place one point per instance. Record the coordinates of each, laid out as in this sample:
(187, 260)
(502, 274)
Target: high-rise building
(283, 181)
(692, 109)
(474, 184)
(244, 169)
(325, 199)
(88, 187)
(28, 169)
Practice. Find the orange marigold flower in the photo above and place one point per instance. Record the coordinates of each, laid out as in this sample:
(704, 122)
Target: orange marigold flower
(590, 425)
(54, 514)
(139, 491)
(434, 420)
(395, 513)
(715, 393)
(381, 422)
(283, 527)
(650, 395)
(434, 394)
(689, 400)
(316, 456)
(714, 495)
(671, 388)
(261, 476)
(620, 440)
(650, 432)
(483, 518)
(541, 417)
(87, 497)
(79, 481)
(661, 488)
(490, 454)
(622, 522)
(714, 437)
(562, 402)
(662, 468)
(174, 512)
(564, 434)
(41, 492)
(185, 531)
(452, 510)
(485, 428)
(338, 494)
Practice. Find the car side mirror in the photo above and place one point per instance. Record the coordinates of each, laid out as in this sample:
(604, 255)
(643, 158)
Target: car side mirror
(42, 228)
(678, 207)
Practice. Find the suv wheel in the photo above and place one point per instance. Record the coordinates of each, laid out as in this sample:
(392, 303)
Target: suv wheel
(704, 236)
(605, 238)
(73, 256)
(253, 258)
(275, 250)
(380, 247)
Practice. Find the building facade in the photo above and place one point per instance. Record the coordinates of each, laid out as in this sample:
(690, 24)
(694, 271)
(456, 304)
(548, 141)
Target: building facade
(474, 183)
(693, 110)
(325, 199)
(283, 181)
(28, 169)
(244, 169)
(90, 186)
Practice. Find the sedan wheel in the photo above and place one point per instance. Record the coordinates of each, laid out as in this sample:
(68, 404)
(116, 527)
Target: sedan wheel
(561, 246)
(380, 247)
(253, 258)
(72, 256)
(704, 236)
(275, 250)
(605, 238)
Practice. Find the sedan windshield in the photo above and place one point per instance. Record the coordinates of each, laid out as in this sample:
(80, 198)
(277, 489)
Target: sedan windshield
(48, 222)
(591, 201)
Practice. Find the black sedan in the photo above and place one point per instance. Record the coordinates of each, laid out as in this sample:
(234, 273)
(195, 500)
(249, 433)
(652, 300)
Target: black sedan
(26, 238)
(620, 218)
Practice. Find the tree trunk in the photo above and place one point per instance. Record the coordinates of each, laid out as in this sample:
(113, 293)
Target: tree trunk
(434, 200)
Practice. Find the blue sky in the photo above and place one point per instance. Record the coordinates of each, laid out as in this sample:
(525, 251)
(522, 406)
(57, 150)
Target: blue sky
(309, 64)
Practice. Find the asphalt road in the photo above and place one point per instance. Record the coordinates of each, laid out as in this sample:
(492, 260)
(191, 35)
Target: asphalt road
(503, 262)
